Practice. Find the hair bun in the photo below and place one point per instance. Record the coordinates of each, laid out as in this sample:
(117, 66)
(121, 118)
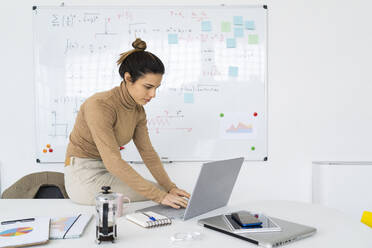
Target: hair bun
(139, 44)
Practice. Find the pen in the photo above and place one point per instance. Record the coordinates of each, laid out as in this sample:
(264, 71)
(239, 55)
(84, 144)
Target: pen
(14, 221)
(150, 217)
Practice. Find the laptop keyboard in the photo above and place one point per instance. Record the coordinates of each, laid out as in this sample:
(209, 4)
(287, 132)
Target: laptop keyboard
(166, 211)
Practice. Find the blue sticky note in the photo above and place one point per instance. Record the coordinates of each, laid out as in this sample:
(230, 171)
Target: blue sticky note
(206, 26)
(188, 97)
(238, 20)
(250, 25)
(230, 43)
(172, 38)
(238, 32)
(233, 71)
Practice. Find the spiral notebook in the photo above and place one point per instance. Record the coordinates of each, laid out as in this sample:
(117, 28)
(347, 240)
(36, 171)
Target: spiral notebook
(149, 219)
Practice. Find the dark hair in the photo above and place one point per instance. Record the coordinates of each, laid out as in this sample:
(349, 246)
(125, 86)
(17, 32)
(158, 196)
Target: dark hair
(137, 62)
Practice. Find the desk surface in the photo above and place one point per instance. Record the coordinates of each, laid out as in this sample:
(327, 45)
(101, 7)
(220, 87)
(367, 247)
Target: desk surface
(334, 228)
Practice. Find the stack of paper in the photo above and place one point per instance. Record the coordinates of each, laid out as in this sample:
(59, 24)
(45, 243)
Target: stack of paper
(38, 230)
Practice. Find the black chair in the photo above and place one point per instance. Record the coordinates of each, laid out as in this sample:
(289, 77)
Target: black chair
(49, 192)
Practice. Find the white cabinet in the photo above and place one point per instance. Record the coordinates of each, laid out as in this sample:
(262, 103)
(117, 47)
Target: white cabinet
(346, 187)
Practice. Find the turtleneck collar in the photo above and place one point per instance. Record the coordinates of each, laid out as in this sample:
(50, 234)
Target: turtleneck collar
(125, 98)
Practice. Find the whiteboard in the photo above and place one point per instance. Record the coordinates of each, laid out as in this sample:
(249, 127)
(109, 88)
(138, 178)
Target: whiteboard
(212, 103)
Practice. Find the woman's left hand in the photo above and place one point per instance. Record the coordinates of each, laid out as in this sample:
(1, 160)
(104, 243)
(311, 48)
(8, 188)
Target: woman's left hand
(179, 192)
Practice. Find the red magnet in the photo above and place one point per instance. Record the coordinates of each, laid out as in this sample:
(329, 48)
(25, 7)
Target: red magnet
(121, 148)
(50, 150)
(255, 114)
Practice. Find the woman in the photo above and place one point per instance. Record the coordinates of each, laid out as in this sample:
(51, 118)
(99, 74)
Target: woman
(110, 119)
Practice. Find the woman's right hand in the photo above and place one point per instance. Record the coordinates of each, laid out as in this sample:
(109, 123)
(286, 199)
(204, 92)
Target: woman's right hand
(174, 201)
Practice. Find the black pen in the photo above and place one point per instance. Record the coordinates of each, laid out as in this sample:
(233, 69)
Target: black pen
(14, 221)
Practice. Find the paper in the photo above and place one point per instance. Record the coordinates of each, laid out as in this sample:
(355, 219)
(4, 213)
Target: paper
(238, 20)
(206, 26)
(225, 27)
(24, 233)
(172, 38)
(238, 32)
(230, 43)
(250, 25)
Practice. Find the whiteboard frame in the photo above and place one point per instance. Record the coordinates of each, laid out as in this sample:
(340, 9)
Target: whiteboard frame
(217, 6)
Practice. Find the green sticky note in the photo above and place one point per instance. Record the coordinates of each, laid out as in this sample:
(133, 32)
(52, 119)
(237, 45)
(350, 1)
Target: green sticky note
(253, 39)
(225, 27)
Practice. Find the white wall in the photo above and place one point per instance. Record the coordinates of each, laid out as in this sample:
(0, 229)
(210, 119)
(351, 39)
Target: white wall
(314, 47)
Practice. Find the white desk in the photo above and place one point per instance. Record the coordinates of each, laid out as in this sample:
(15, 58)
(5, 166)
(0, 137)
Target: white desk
(334, 229)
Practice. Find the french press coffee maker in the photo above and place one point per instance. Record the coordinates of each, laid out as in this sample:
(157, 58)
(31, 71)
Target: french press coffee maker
(106, 214)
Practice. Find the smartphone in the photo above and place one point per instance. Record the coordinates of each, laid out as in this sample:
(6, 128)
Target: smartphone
(268, 225)
(246, 219)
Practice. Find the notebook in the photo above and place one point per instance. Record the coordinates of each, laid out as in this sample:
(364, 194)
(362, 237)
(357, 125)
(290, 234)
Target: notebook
(149, 219)
(290, 232)
(69, 227)
(24, 232)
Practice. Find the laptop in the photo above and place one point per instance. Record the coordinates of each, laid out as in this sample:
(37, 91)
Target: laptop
(290, 232)
(212, 190)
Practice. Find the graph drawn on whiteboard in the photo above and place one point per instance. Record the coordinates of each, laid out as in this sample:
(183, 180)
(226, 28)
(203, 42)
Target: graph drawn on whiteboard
(238, 126)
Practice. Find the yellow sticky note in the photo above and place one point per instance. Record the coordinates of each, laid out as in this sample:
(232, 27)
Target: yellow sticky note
(367, 218)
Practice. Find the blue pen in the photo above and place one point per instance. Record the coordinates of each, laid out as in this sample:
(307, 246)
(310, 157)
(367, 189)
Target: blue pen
(150, 217)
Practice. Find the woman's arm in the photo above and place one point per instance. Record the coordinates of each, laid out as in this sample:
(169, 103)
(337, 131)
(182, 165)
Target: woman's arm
(151, 159)
(175, 197)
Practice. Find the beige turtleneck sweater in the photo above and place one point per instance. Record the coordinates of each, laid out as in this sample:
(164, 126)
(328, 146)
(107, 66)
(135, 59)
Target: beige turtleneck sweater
(108, 120)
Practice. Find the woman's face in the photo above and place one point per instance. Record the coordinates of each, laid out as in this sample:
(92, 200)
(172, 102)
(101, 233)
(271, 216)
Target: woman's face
(144, 89)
